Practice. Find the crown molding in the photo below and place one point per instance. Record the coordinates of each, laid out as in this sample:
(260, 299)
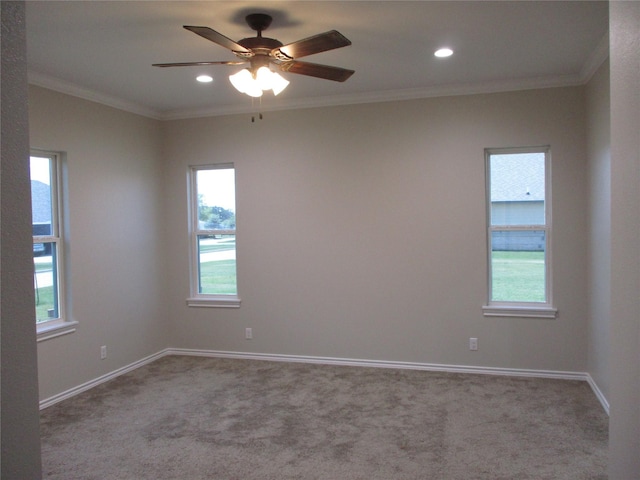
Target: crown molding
(383, 96)
(69, 88)
(597, 58)
(327, 101)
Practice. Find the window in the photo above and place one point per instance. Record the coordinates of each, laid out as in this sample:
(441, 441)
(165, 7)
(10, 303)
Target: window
(47, 245)
(519, 232)
(213, 236)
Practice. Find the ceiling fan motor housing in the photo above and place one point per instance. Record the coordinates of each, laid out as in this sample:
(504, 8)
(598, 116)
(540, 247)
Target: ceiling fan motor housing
(260, 45)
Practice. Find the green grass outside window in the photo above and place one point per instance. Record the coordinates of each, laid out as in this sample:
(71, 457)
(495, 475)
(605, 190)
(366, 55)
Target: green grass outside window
(218, 277)
(518, 276)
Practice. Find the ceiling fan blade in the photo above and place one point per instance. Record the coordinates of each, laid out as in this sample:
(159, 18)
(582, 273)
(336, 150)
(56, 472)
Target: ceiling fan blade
(195, 64)
(308, 46)
(220, 39)
(326, 72)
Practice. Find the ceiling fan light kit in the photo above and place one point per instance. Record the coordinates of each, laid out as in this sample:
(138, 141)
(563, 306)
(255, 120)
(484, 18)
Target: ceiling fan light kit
(255, 83)
(262, 53)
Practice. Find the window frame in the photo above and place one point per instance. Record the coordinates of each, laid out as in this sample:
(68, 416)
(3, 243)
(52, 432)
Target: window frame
(517, 308)
(60, 325)
(197, 299)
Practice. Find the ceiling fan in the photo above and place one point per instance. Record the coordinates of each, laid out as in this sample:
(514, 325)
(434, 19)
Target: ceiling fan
(259, 53)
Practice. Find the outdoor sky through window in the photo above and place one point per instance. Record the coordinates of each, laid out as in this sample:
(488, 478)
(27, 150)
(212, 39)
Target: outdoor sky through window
(40, 170)
(218, 188)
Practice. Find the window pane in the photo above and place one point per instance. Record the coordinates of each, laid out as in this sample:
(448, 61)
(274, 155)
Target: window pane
(518, 266)
(45, 283)
(517, 189)
(216, 199)
(41, 205)
(217, 264)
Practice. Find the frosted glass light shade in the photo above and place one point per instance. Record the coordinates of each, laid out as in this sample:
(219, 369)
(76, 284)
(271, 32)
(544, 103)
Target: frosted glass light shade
(244, 82)
(278, 83)
(265, 79)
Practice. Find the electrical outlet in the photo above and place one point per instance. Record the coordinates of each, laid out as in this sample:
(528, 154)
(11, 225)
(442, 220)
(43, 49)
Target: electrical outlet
(473, 344)
(248, 333)
(103, 352)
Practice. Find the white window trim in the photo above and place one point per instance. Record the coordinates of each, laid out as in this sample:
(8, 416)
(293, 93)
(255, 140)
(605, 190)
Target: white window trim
(201, 299)
(544, 310)
(521, 310)
(55, 328)
(60, 326)
(220, 301)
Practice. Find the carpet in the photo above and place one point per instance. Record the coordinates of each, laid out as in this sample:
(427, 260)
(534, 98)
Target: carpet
(184, 417)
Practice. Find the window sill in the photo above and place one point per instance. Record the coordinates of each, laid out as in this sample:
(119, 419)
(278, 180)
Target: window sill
(525, 311)
(229, 301)
(47, 331)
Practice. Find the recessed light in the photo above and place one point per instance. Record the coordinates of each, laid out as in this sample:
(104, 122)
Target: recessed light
(204, 78)
(443, 52)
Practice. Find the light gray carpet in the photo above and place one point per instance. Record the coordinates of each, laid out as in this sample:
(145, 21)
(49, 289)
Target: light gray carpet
(205, 418)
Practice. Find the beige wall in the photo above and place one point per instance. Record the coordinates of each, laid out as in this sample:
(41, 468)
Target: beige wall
(20, 432)
(115, 249)
(361, 230)
(624, 432)
(599, 205)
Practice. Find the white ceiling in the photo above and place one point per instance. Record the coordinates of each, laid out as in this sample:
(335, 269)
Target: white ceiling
(103, 50)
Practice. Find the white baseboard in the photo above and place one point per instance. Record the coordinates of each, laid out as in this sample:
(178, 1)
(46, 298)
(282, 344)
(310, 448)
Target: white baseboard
(47, 402)
(598, 393)
(513, 372)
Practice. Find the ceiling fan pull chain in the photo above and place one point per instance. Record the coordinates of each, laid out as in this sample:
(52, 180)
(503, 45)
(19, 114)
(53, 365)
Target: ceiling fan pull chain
(253, 117)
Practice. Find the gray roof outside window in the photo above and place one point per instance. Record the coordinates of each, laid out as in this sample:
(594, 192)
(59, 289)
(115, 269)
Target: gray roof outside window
(40, 202)
(517, 177)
